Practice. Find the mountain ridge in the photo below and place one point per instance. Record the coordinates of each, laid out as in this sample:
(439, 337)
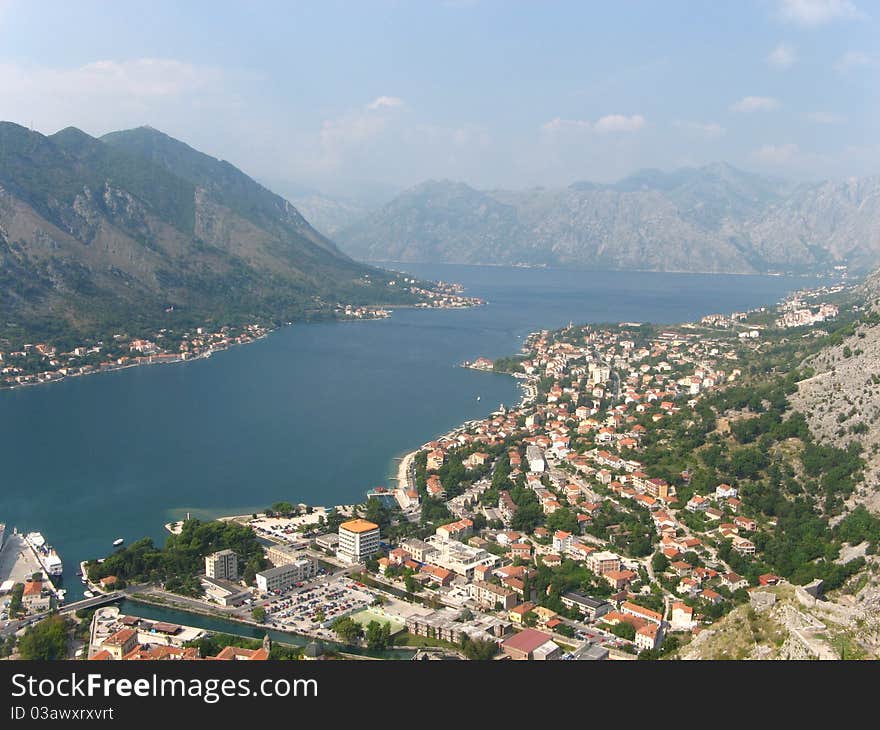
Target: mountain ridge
(143, 231)
(710, 219)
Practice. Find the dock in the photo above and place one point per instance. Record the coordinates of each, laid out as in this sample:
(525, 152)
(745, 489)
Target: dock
(18, 562)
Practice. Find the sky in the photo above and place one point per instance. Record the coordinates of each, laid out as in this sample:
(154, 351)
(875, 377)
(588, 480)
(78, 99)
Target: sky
(370, 96)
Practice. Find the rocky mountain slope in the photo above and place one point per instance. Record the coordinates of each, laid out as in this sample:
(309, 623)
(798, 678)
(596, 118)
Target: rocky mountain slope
(785, 622)
(711, 219)
(841, 399)
(139, 229)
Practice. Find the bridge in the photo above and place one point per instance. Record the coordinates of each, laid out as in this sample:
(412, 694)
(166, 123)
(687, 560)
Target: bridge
(93, 602)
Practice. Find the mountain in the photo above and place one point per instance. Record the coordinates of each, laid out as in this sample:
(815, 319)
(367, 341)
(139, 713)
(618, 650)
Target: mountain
(329, 214)
(139, 230)
(714, 218)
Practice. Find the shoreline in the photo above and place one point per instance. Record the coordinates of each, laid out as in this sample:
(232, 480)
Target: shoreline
(172, 359)
(161, 359)
(387, 263)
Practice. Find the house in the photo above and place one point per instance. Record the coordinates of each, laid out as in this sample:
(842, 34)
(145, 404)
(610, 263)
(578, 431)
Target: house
(681, 568)
(476, 459)
(734, 581)
(768, 579)
(743, 546)
(507, 537)
(711, 596)
(682, 618)
(551, 560)
(459, 530)
(697, 504)
(746, 523)
(438, 575)
(561, 541)
(483, 572)
(520, 550)
(545, 615)
(725, 491)
(530, 644)
(435, 459)
(120, 643)
(620, 578)
(34, 598)
(714, 513)
(633, 609)
(649, 636)
(517, 614)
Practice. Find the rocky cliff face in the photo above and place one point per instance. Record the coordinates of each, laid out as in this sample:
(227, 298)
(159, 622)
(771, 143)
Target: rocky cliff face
(841, 401)
(97, 234)
(710, 219)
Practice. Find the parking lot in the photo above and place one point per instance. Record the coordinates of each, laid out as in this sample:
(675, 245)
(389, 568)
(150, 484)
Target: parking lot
(310, 607)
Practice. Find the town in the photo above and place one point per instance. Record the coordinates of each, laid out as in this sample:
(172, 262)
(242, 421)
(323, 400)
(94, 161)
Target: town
(585, 523)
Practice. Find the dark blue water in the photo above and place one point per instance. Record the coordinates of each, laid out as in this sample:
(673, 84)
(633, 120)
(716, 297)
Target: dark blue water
(313, 413)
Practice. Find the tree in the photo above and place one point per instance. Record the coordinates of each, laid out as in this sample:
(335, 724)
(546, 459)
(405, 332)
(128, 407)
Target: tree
(259, 614)
(46, 640)
(378, 635)
(347, 629)
(478, 650)
(659, 563)
(624, 630)
(253, 566)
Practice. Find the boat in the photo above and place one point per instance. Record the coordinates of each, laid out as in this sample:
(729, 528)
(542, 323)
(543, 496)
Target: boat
(118, 541)
(46, 555)
(478, 397)
(88, 594)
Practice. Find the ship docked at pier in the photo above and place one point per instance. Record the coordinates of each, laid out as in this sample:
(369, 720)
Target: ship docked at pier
(47, 556)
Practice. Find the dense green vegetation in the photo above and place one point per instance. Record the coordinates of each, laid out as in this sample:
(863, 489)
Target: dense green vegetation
(347, 629)
(46, 640)
(15, 599)
(178, 563)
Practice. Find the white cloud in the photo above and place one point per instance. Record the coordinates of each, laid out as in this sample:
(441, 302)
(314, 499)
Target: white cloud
(853, 59)
(620, 123)
(755, 104)
(559, 125)
(604, 125)
(825, 117)
(777, 154)
(385, 102)
(812, 13)
(710, 130)
(783, 56)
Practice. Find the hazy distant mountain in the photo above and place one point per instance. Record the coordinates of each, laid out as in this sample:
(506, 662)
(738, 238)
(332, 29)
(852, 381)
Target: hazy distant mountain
(329, 214)
(334, 209)
(112, 232)
(712, 219)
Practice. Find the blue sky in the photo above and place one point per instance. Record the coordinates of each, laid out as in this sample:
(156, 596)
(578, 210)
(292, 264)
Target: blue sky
(342, 96)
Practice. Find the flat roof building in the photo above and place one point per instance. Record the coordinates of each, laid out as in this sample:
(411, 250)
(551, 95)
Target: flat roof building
(358, 540)
(222, 565)
(282, 577)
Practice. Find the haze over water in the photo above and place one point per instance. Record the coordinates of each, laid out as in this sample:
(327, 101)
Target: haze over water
(313, 413)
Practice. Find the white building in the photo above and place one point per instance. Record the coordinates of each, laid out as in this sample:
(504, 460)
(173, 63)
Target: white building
(358, 540)
(535, 457)
(284, 576)
(222, 565)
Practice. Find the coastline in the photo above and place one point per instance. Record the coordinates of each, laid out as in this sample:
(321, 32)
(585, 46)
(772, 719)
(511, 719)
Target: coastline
(172, 358)
(150, 360)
